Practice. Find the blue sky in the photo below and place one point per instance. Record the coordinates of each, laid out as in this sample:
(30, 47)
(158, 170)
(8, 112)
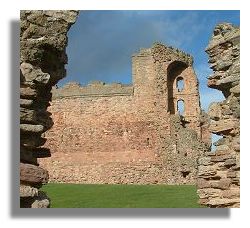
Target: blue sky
(101, 43)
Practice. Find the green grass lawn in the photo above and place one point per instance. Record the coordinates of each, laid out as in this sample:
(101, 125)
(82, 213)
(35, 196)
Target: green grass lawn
(121, 196)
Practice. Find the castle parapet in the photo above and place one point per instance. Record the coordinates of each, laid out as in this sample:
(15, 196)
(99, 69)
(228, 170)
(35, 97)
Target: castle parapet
(94, 89)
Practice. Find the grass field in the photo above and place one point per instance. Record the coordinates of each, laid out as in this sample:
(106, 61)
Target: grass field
(121, 196)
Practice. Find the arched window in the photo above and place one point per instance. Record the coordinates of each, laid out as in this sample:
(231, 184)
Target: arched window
(174, 81)
(180, 107)
(179, 84)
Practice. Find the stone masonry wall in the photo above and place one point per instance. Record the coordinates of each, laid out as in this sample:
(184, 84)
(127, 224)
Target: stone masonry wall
(219, 171)
(101, 139)
(122, 133)
(43, 39)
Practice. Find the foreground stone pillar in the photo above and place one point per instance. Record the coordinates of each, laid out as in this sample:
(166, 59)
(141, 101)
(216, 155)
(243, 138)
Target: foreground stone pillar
(219, 171)
(43, 41)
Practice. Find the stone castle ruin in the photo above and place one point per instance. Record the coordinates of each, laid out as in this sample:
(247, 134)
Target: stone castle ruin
(129, 134)
(150, 132)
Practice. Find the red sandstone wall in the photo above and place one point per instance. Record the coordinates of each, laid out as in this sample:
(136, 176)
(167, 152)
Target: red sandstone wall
(104, 133)
(100, 124)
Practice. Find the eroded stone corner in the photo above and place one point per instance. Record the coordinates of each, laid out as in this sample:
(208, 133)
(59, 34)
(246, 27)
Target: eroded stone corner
(219, 172)
(43, 41)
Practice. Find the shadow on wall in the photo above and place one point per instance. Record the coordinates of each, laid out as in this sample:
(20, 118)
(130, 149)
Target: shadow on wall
(175, 70)
(14, 120)
(17, 212)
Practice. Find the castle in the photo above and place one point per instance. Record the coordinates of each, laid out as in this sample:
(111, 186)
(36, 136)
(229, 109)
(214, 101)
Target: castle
(173, 140)
(150, 132)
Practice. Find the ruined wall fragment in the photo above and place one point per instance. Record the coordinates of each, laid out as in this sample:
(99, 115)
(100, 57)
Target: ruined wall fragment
(219, 171)
(43, 39)
(181, 140)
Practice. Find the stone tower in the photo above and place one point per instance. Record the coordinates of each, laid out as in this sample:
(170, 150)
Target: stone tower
(164, 76)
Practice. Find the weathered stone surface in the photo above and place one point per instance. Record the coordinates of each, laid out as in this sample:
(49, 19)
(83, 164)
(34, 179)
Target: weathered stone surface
(163, 53)
(28, 191)
(43, 40)
(230, 162)
(201, 183)
(224, 183)
(231, 174)
(28, 93)
(206, 171)
(214, 111)
(220, 158)
(222, 149)
(209, 192)
(224, 57)
(234, 106)
(235, 90)
(41, 201)
(222, 126)
(27, 69)
(67, 15)
(221, 172)
(203, 201)
(231, 193)
(33, 174)
(222, 65)
(228, 80)
(236, 144)
(204, 161)
(215, 184)
(42, 79)
(31, 128)
(27, 116)
(217, 202)
(25, 103)
(223, 33)
(34, 75)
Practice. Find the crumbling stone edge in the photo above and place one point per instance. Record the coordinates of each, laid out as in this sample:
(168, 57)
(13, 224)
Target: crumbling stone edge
(43, 41)
(219, 172)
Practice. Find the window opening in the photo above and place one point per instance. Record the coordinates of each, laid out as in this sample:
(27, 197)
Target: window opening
(180, 107)
(180, 84)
